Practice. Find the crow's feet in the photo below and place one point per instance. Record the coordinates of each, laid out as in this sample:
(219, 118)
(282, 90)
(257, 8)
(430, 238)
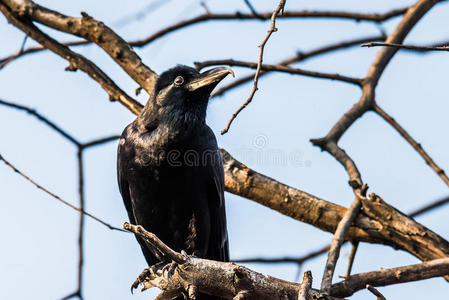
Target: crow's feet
(146, 274)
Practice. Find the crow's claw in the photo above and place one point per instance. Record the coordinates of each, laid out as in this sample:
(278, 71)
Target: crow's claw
(145, 273)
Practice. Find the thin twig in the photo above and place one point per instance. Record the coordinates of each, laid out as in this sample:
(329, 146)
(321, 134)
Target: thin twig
(279, 68)
(429, 207)
(56, 196)
(355, 246)
(375, 292)
(272, 29)
(297, 260)
(75, 294)
(42, 118)
(100, 141)
(253, 10)
(81, 222)
(429, 161)
(408, 47)
(337, 241)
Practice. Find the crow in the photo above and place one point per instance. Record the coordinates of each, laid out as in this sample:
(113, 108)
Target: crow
(170, 173)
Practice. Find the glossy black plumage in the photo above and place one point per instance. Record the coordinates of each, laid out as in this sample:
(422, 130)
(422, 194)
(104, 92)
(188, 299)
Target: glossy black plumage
(169, 169)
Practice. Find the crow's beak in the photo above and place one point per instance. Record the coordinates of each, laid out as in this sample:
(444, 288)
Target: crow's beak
(209, 77)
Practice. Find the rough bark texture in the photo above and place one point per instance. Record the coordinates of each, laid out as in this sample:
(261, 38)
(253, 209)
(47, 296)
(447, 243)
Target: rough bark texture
(377, 223)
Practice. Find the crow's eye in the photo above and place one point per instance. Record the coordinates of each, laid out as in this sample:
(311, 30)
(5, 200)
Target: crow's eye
(179, 81)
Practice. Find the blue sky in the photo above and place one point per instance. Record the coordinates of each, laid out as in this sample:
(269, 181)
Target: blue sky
(38, 252)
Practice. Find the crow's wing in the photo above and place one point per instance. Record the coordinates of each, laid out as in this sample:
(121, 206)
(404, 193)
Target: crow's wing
(123, 159)
(218, 240)
(125, 155)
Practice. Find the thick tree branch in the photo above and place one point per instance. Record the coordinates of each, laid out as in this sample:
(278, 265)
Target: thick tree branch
(76, 61)
(216, 278)
(231, 281)
(387, 228)
(91, 30)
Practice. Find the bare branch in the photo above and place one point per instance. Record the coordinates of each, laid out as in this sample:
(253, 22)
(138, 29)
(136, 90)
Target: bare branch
(43, 119)
(296, 260)
(338, 239)
(355, 246)
(253, 10)
(56, 196)
(76, 61)
(81, 222)
(91, 30)
(384, 277)
(280, 68)
(101, 141)
(300, 57)
(429, 161)
(279, 9)
(429, 207)
(376, 17)
(408, 47)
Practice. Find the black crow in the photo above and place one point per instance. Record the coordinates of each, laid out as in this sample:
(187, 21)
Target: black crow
(170, 172)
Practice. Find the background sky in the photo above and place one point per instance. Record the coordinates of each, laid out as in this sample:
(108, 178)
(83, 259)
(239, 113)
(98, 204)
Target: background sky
(38, 247)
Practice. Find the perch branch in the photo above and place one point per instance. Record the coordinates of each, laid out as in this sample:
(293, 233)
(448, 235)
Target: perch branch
(216, 278)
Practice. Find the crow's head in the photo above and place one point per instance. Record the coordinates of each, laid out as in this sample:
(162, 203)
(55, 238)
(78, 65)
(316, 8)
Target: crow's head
(183, 88)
